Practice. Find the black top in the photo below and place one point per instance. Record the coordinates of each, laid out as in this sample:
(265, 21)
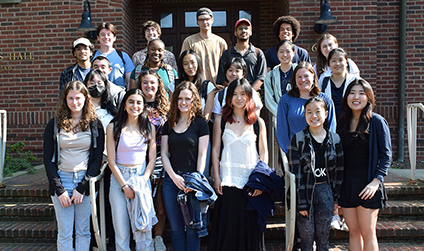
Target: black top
(320, 172)
(337, 96)
(184, 147)
(356, 153)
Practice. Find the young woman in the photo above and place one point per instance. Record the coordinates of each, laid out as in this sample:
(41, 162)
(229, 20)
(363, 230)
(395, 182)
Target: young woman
(367, 153)
(154, 63)
(325, 44)
(235, 227)
(73, 148)
(316, 158)
(335, 85)
(235, 68)
(291, 112)
(277, 81)
(185, 138)
(130, 137)
(157, 106)
(190, 69)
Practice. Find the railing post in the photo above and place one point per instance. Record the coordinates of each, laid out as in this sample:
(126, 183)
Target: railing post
(412, 116)
(3, 137)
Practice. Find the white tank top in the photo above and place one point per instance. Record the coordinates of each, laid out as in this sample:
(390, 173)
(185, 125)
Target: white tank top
(239, 157)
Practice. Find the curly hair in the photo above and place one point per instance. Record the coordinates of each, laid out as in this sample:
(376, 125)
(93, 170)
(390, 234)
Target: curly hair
(64, 114)
(294, 92)
(321, 59)
(151, 23)
(161, 101)
(196, 107)
(289, 20)
(249, 109)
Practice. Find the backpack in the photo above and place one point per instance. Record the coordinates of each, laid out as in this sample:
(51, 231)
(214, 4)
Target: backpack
(94, 134)
(203, 92)
(119, 54)
(256, 129)
(325, 82)
(168, 68)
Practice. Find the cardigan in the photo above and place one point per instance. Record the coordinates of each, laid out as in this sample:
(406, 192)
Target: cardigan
(51, 158)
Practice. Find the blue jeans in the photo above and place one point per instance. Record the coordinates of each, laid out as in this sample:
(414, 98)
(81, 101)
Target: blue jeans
(183, 238)
(67, 217)
(316, 227)
(118, 204)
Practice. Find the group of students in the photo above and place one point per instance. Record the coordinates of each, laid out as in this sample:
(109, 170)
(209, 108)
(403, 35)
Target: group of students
(337, 147)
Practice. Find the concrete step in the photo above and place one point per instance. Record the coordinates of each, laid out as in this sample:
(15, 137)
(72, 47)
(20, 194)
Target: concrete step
(27, 232)
(386, 230)
(28, 246)
(26, 211)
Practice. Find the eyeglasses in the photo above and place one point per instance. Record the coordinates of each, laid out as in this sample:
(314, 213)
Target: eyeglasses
(204, 19)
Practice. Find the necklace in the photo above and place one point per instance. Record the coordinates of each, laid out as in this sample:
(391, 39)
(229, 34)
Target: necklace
(237, 119)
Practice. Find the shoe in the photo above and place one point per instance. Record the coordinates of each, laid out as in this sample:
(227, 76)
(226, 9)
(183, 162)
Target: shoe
(159, 245)
(151, 246)
(335, 222)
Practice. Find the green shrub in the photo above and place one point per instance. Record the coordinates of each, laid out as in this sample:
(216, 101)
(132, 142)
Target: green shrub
(17, 159)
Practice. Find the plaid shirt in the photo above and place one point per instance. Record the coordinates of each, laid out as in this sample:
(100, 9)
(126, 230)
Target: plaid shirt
(302, 160)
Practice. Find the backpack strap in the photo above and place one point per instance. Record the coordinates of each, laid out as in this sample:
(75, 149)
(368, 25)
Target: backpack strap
(221, 97)
(120, 54)
(300, 141)
(94, 132)
(56, 140)
(170, 72)
(115, 125)
(325, 82)
(204, 90)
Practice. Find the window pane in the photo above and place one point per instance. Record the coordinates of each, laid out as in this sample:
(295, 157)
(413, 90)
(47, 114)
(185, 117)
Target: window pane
(190, 19)
(166, 20)
(219, 19)
(245, 14)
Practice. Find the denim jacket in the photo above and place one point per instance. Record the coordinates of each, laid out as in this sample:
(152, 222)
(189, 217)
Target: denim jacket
(199, 200)
(302, 162)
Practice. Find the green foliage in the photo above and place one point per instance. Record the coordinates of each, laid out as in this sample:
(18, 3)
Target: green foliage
(17, 159)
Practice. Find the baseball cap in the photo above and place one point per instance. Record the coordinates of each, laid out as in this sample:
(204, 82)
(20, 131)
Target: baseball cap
(241, 20)
(204, 11)
(83, 41)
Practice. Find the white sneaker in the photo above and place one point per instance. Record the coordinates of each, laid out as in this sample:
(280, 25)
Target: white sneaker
(151, 246)
(335, 222)
(159, 245)
(344, 226)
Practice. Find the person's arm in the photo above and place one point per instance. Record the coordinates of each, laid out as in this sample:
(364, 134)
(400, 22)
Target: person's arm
(260, 70)
(338, 171)
(220, 78)
(152, 153)
(257, 84)
(164, 149)
(216, 152)
(202, 152)
(129, 67)
(270, 102)
(332, 119)
(263, 146)
(283, 126)
(207, 112)
(132, 84)
(111, 159)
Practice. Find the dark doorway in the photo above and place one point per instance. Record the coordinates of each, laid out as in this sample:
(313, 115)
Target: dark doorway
(178, 22)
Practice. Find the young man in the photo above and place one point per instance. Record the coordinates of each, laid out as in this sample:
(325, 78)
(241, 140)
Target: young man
(121, 63)
(102, 63)
(208, 45)
(253, 56)
(82, 49)
(286, 27)
(151, 31)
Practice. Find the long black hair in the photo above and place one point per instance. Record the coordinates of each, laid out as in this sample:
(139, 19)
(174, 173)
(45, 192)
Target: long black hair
(182, 75)
(106, 100)
(120, 120)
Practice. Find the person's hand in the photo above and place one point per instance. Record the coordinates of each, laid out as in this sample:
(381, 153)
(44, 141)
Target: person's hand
(76, 197)
(369, 191)
(179, 182)
(217, 185)
(64, 199)
(129, 192)
(187, 190)
(304, 213)
(336, 209)
(257, 192)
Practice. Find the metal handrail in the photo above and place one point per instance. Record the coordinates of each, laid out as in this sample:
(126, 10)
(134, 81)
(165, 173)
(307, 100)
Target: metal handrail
(412, 137)
(289, 189)
(3, 137)
(100, 234)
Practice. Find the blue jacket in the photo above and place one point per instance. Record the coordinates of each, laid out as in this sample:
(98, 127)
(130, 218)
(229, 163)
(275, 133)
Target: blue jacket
(199, 200)
(380, 148)
(265, 179)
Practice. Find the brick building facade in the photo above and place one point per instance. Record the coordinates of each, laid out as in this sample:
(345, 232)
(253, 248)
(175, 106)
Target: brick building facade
(36, 39)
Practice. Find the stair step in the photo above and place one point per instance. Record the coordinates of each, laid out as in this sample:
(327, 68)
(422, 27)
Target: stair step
(386, 229)
(26, 211)
(40, 231)
(28, 246)
(400, 191)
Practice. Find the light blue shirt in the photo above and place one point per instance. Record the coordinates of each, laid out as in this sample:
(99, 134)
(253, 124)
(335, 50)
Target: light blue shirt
(117, 75)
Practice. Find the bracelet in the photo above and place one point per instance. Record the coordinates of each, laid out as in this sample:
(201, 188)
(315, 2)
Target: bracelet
(122, 187)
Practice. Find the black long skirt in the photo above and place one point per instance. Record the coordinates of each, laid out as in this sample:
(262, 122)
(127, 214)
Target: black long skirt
(234, 227)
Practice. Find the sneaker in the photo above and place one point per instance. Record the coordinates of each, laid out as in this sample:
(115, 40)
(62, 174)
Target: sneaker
(335, 222)
(151, 246)
(159, 245)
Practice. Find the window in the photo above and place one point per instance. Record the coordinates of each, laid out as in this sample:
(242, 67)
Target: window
(245, 14)
(219, 19)
(166, 20)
